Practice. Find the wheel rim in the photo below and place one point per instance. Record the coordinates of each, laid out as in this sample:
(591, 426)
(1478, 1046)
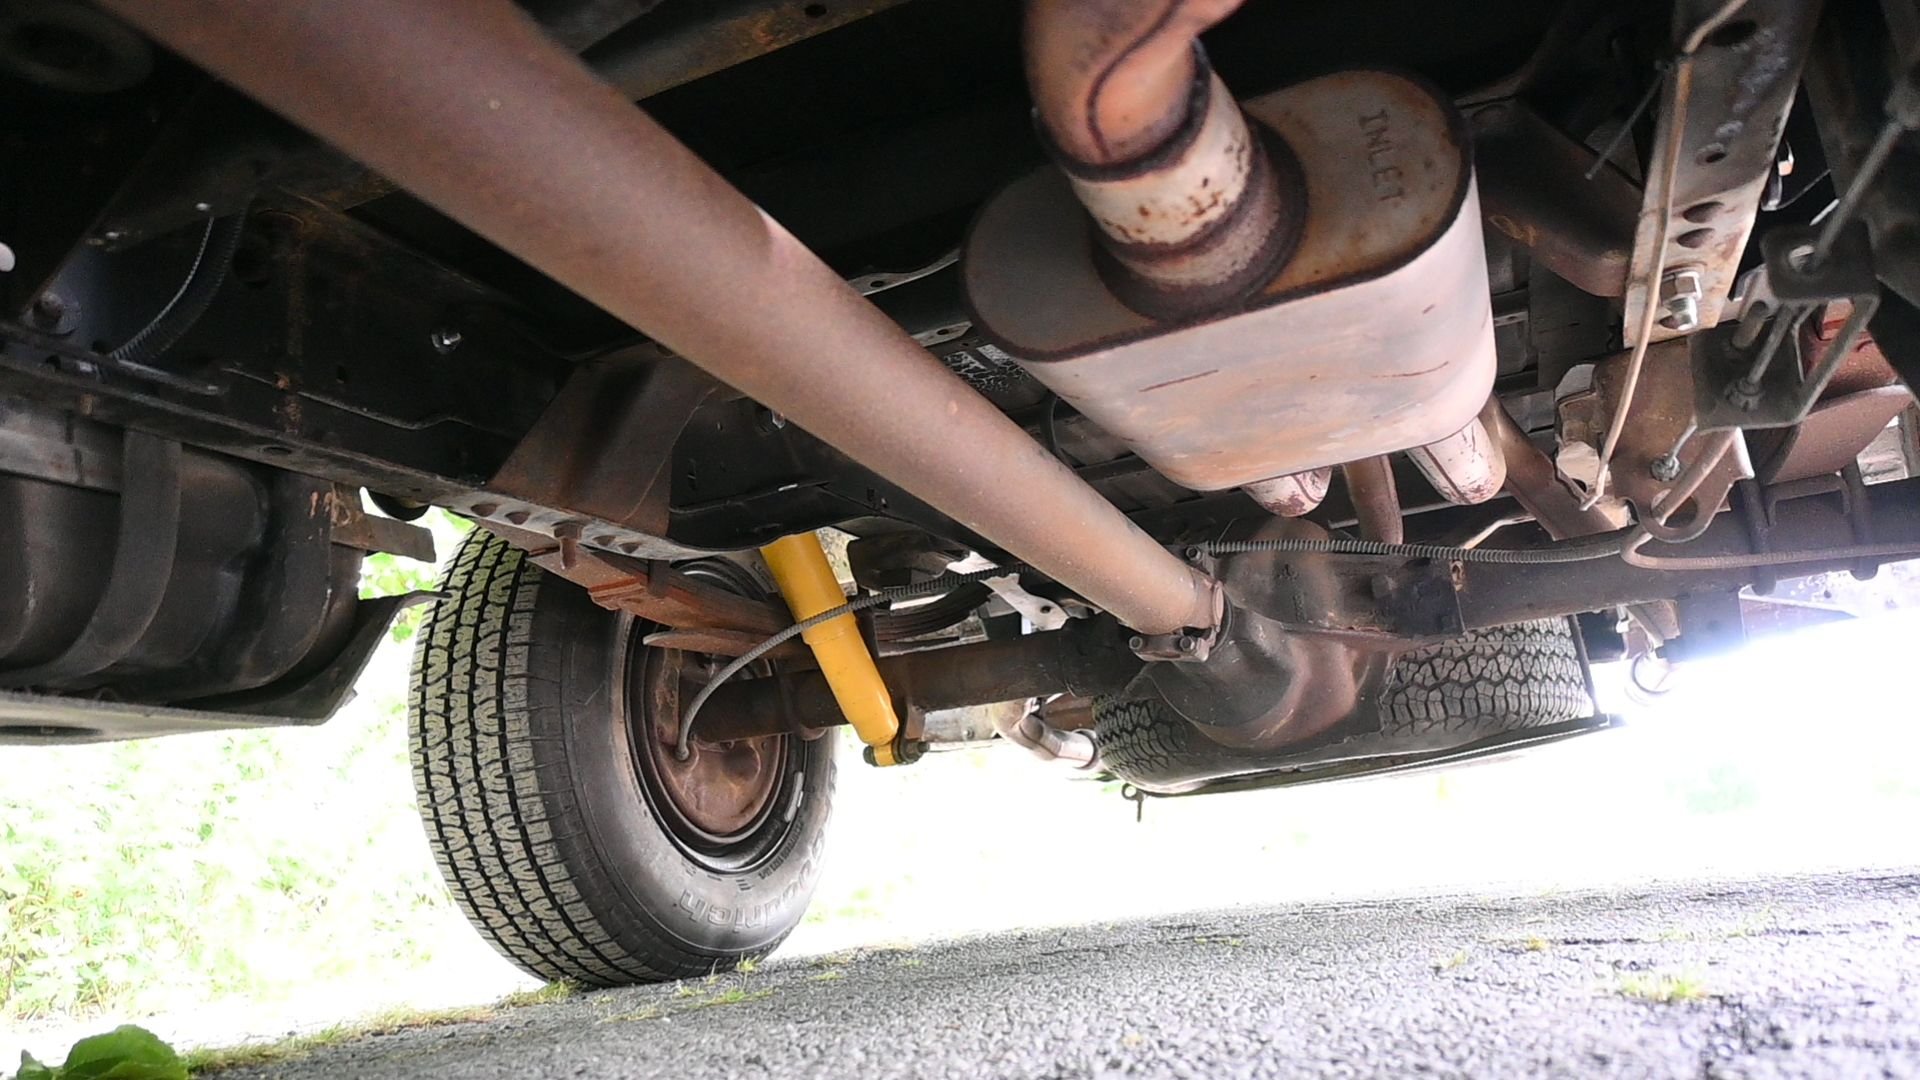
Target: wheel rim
(726, 807)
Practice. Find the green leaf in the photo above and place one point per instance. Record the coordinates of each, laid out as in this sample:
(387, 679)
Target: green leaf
(31, 1069)
(125, 1053)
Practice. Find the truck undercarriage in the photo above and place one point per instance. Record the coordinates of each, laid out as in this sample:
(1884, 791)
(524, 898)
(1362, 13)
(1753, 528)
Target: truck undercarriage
(1245, 392)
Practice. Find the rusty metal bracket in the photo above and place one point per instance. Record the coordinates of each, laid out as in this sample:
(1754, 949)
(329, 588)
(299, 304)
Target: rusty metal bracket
(1740, 86)
(1656, 445)
(355, 528)
(1542, 189)
(648, 590)
(603, 448)
(1746, 376)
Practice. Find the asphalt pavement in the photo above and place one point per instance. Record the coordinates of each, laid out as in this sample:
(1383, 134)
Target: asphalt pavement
(1805, 976)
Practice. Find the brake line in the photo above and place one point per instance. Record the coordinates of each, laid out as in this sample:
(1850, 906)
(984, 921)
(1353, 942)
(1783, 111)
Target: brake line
(1662, 230)
(1685, 488)
(683, 744)
(1604, 548)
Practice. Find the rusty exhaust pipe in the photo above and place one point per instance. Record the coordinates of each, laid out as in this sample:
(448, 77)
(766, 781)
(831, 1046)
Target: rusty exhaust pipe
(1535, 484)
(468, 105)
(1196, 207)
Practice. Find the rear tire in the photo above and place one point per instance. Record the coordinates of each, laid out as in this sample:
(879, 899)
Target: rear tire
(1485, 683)
(1508, 678)
(546, 813)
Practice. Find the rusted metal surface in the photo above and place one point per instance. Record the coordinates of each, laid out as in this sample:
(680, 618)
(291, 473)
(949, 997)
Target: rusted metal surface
(1195, 207)
(1376, 501)
(1292, 495)
(1642, 471)
(715, 641)
(1739, 88)
(355, 528)
(649, 590)
(1832, 435)
(671, 48)
(1375, 336)
(515, 139)
(720, 790)
(1500, 595)
(1534, 188)
(1300, 653)
(1068, 712)
(1083, 660)
(1109, 78)
(603, 448)
(1864, 367)
(1535, 484)
(1202, 222)
(1466, 467)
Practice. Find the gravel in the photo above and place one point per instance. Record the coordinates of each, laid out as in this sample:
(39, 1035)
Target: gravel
(1803, 976)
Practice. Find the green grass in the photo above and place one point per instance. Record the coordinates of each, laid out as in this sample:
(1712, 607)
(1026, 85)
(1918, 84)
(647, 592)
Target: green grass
(1664, 988)
(169, 869)
(135, 876)
(541, 995)
(214, 1059)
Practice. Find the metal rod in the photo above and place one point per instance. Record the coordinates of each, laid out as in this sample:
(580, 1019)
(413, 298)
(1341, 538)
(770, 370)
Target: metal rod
(1842, 211)
(1656, 272)
(511, 136)
(1376, 501)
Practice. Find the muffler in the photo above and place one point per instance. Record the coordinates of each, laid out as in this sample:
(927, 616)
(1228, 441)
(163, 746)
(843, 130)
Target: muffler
(1370, 332)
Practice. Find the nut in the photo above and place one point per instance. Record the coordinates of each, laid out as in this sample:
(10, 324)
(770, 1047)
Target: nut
(1680, 295)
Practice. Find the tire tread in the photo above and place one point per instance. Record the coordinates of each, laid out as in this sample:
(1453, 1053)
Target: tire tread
(499, 813)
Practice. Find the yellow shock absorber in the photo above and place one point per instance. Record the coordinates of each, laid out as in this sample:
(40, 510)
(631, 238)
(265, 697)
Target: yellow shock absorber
(800, 568)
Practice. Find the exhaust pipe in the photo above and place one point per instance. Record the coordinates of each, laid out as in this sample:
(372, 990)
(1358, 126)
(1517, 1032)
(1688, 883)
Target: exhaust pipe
(1195, 209)
(512, 136)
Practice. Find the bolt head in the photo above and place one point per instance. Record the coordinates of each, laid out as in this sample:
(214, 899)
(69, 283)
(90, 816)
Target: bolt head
(1186, 643)
(1136, 643)
(444, 340)
(1664, 468)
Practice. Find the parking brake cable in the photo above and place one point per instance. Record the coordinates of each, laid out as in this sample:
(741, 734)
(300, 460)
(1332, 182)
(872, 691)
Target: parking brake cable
(205, 275)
